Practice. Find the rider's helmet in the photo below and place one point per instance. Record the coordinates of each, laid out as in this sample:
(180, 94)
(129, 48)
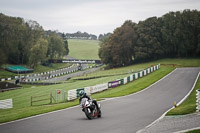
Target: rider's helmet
(81, 93)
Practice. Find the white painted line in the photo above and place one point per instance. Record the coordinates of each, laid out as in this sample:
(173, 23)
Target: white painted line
(162, 116)
(187, 130)
(190, 90)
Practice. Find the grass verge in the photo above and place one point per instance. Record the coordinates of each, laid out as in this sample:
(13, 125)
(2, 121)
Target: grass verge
(189, 105)
(194, 131)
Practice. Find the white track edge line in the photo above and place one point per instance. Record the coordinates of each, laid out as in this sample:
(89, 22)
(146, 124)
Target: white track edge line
(162, 116)
(187, 130)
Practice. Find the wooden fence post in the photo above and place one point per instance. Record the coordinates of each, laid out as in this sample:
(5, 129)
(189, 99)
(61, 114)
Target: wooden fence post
(31, 100)
(50, 98)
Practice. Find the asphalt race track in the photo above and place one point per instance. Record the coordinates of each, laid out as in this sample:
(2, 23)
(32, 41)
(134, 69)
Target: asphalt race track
(126, 114)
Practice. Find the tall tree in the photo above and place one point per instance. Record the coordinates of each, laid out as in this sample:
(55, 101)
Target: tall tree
(175, 34)
(119, 48)
(149, 39)
(38, 52)
(56, 46)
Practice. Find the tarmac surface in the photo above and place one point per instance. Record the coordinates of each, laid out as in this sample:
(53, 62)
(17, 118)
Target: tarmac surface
(178, 123)
(127, 114)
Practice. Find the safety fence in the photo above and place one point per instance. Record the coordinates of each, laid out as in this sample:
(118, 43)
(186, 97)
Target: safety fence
(42, 76)
(46, 75)
(42, 99)
(55, 96)
(198, 100)
(6, 104)
(73, 94)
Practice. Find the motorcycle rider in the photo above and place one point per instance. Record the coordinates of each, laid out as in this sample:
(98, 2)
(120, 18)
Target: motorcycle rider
(82, 95)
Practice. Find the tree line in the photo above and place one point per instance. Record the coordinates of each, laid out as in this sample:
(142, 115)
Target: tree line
(80, 35)
(26, 42)
(175, 34)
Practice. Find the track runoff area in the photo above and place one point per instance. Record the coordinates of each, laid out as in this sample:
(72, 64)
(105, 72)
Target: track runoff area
(124, 114)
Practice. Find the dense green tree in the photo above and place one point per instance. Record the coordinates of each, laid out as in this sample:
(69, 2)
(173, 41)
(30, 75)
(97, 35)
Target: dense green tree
(118, 49)
(103, 36)
(56, 47)
(66, 47)
(17, 37)
(148, 44)
(3, 57)
(175, 34)
(38, 52)
(25, 42)
(31, 33)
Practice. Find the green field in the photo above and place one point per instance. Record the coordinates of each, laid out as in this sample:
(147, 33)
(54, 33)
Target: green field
(83, 49)
(21, 97)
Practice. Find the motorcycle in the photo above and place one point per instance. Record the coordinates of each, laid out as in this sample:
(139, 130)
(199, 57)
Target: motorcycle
(90, 109)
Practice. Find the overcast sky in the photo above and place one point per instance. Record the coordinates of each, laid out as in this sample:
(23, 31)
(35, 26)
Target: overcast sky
(92, 16)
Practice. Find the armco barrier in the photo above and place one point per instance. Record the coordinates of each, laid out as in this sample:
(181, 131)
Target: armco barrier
(145, 72)
(113, 84)
(73, 94)
(141, 74)
(198, 100)
(98, 88)
(148, 70)
(136, 75)
(125, 80)
(6, 104)
(87, 90)
(131, 78)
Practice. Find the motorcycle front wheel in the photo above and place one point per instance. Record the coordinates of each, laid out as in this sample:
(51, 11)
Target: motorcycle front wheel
(88, 115)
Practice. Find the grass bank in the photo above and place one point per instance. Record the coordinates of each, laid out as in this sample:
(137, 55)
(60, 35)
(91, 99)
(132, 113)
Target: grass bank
(83, 49)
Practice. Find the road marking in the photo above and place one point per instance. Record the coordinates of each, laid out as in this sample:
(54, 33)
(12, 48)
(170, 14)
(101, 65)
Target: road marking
(187, 130)
(162, 116)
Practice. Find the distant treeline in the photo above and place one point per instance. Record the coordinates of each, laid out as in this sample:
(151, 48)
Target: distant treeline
(26, 42)
(175, 34)
(84, 35)
(79, 35)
